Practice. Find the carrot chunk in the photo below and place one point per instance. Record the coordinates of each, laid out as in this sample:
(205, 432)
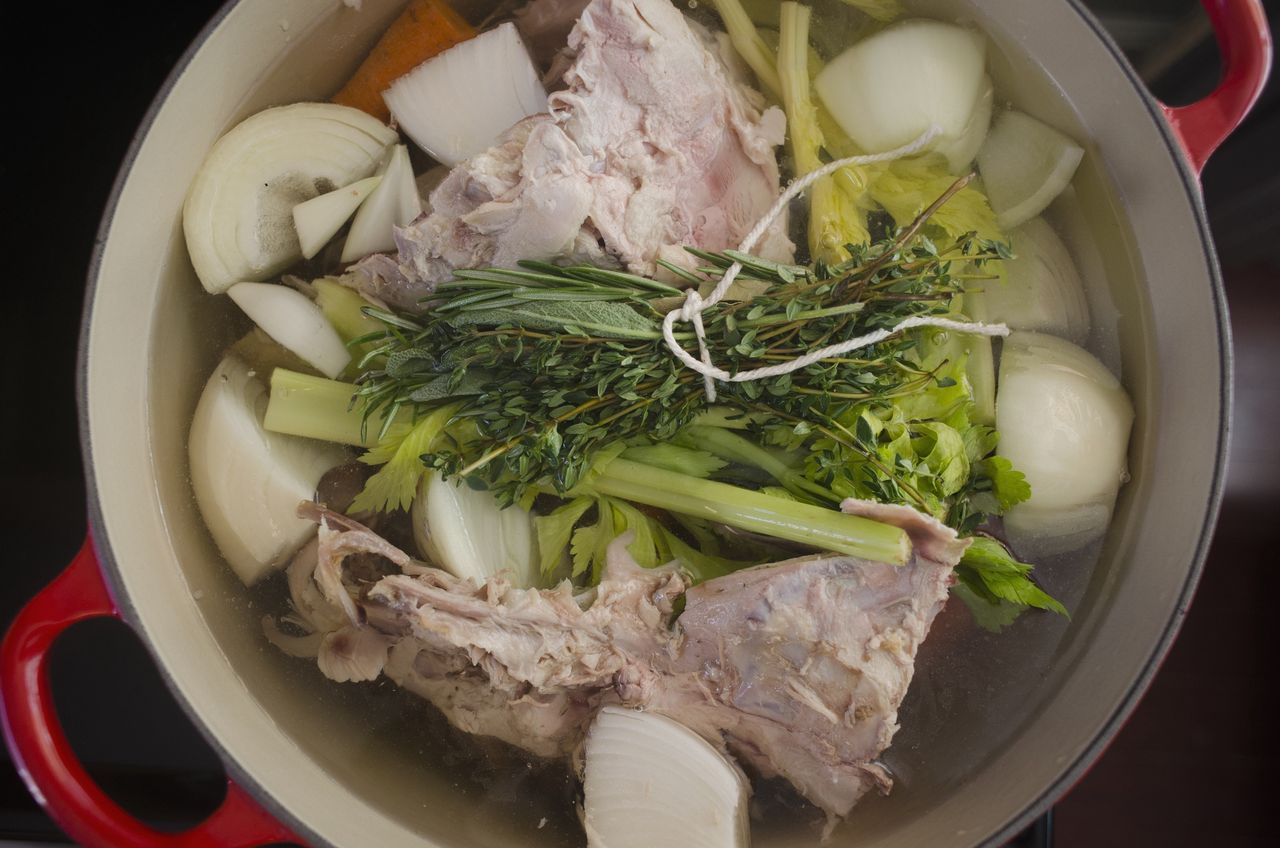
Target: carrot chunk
(424, 29)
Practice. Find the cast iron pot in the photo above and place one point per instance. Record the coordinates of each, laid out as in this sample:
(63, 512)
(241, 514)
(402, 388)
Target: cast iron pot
(311, 762)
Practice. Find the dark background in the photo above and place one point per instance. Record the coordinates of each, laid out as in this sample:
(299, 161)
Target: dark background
(1191, 767)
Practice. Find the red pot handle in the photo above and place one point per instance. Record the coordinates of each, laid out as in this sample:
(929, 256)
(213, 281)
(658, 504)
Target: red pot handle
(1245, 44)
(47, 763)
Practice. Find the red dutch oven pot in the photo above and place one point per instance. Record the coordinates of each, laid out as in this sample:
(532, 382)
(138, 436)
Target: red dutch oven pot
(1144, 179)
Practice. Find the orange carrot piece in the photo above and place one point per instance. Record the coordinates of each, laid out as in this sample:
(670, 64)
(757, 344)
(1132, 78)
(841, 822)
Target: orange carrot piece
(424, 29)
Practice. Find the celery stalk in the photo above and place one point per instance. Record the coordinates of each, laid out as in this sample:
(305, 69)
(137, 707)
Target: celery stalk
(980, 366)
(302, 405)
(749, 44)
(342, 306)
(729, 418)
(755, 512)
(734, 448)
(835, 218)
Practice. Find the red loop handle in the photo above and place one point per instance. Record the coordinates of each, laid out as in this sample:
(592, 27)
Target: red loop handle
(45, 759)
(1245, 44)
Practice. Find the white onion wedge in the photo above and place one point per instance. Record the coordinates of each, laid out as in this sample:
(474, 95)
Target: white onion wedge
(1064, 422)
(248, 482)
(1025, 164)
(393, 203)
(294, 321)
(456, 104)
(888, 88)
(317, 220)
(961, 150)
(471, 536)
(1042, 290)
(651, 781)
(238, 214)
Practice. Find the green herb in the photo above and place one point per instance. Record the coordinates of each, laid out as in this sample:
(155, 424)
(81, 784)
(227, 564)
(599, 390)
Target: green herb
(550, 382)
(555, 530)
(991, 615)
(399, 452)
(994, 578)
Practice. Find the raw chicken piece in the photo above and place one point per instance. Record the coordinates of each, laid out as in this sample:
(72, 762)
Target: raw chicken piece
(524, 665)
(797, 668)
(800, 667)
(527, 198)
(651, 147)
(684, 158)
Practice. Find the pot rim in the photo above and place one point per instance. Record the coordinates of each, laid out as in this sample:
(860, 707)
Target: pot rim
(1066, 778)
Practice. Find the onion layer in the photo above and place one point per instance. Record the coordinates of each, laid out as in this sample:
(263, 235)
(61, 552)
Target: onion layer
(888, 88)
(317, 220)
(1042, 290)
(394, 202)
(649, 781)
(1025, 164)
(465, 532)
(294, 321)
(456, 104)
(238, 215)
(248, 482)
(1064, 422)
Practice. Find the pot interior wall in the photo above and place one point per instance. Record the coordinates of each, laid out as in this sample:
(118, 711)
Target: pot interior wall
(365, 764)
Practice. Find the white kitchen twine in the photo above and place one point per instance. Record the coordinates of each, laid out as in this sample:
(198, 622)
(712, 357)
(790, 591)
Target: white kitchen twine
(694, 304)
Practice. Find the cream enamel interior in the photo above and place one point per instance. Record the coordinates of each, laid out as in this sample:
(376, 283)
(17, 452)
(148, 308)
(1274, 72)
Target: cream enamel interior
(348, 774)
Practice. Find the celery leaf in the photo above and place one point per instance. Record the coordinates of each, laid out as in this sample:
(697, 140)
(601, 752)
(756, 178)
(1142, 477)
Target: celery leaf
(989, 570)
(701, 566)
(1009, 485)
(400, 455)
(991, 615)
(555, 529)
(906, 187)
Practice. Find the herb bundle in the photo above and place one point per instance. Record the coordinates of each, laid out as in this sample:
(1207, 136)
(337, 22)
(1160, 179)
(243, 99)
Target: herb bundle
(552, 363)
